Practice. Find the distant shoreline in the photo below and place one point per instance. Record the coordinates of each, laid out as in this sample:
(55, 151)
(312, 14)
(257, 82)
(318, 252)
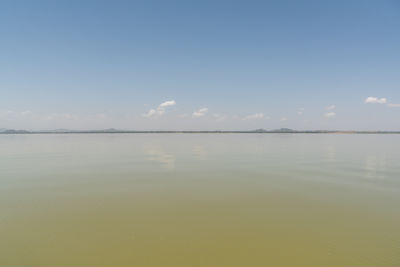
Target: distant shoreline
(197, 132)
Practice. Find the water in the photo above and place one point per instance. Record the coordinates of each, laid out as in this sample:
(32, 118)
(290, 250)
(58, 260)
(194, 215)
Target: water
(199, 200)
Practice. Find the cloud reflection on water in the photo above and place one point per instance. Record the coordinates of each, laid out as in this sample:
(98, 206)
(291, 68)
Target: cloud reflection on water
(158, 154)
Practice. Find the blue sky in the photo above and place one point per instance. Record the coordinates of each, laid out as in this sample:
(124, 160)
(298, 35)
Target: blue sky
(196, 65)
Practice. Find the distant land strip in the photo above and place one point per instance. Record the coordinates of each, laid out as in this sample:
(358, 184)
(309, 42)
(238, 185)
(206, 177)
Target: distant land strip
(258, 131)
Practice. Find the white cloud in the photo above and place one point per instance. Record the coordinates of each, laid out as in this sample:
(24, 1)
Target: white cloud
(151, 113)
(394, 105)
(167, 103)
(254, 116)
(200, 113)
(331, 107)
(376, 100)
(330, 114)
(160, 110)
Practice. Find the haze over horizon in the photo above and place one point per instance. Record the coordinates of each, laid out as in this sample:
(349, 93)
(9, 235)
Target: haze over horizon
(206, 65)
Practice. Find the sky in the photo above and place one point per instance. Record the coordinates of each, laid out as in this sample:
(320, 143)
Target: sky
(200, 65)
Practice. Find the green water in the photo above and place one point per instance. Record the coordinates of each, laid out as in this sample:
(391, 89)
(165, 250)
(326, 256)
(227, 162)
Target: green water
(199, 200)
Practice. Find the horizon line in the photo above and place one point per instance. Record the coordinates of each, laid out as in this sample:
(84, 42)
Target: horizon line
(113, 130)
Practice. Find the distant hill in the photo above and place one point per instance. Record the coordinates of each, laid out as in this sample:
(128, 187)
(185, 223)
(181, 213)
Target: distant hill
(284, 130)
(12, 131)
(260, 131)
(111, 130)
(60, 130)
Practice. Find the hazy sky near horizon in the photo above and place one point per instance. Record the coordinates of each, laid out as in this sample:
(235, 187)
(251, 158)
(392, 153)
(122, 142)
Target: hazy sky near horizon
(194, 65)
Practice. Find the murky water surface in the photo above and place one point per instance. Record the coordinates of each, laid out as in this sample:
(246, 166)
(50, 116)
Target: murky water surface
(199, 200)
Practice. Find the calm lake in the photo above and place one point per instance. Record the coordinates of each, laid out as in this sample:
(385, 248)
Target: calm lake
(199, 200)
